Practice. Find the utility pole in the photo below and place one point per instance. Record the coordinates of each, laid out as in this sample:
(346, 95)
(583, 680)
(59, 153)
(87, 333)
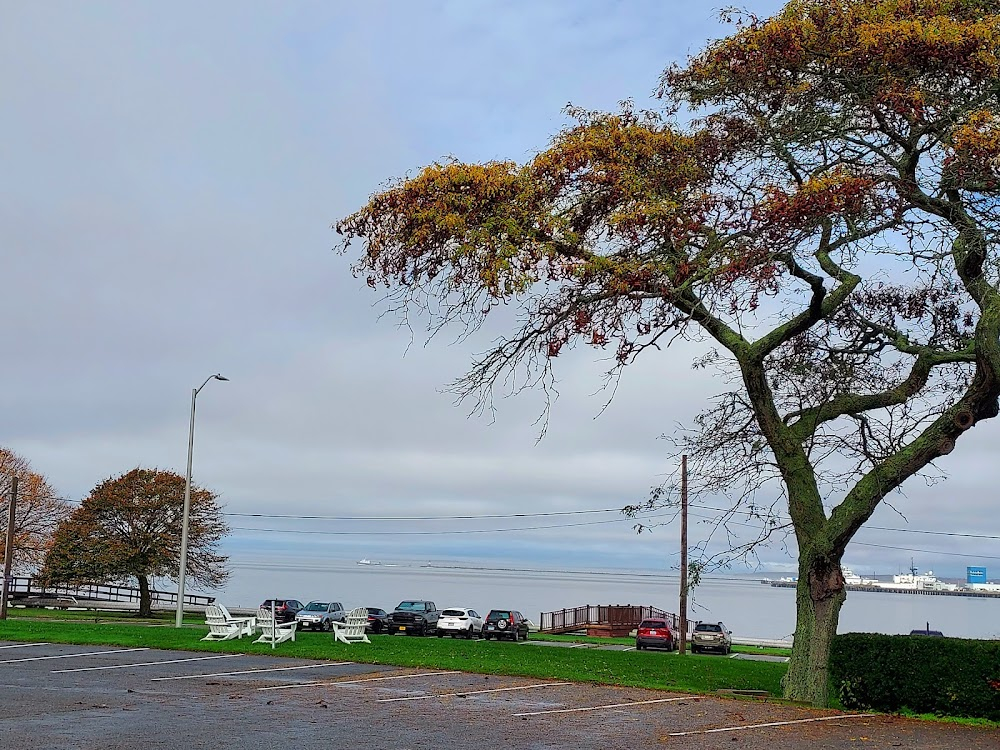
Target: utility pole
(8, 551)
(683, 627)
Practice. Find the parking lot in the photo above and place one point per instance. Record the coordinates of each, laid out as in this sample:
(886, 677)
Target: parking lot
(56, 696)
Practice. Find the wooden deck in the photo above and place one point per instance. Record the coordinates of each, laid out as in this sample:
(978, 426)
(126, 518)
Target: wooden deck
(601, 620)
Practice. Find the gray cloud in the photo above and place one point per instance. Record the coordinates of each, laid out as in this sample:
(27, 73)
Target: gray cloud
(172, 174)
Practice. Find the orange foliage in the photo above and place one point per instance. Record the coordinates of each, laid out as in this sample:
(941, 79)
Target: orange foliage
(899, 54)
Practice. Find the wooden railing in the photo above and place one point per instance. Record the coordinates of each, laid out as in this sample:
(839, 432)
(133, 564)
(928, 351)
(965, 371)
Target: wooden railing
(23, 588)
(614, 615)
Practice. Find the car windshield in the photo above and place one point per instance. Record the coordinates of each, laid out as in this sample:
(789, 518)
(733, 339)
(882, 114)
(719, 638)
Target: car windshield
(317, 606)
(497, 615)
(411, 606)
(707, 627)
(277, 603)
(652, 624)
(453, 613)
(375, 611)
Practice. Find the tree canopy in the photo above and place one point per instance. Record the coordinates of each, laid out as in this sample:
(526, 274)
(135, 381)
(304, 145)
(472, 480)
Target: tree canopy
(817, 193)
(38, 510)
(129, 528)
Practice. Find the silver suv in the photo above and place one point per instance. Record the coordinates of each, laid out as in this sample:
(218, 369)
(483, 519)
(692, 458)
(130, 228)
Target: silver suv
(320, 615)
(714, 636)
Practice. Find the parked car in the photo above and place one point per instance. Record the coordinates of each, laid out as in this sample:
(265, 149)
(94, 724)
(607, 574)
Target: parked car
(377, 620)
(654, 633)
(713, 636)
(414, 616)
(320, 615)
(461, 621)
(505, 623)
(284, 609)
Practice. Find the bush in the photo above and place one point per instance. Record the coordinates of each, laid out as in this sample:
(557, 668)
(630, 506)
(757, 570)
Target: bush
(944, 676)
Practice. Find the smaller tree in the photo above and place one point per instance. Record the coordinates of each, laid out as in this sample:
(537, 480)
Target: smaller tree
(130, 528)
(37, 512)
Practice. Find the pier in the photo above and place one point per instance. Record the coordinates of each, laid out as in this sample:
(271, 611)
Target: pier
(899, 590)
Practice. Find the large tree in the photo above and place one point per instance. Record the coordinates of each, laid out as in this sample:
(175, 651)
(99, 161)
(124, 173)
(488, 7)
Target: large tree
(817, 194)
(37, 512)
(129, 528)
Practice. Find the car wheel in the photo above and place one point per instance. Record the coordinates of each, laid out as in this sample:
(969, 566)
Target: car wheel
(327, 625)
(469, 634)
(487, 637)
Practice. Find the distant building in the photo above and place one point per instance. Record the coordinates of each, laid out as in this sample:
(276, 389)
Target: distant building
(975, 579)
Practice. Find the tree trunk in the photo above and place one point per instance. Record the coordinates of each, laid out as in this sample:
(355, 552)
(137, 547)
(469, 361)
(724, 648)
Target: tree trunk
(819, 596)
(145, 599)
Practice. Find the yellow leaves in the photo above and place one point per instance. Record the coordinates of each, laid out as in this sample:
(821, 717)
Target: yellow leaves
(979, 135)
(975, 159)
(864, 48)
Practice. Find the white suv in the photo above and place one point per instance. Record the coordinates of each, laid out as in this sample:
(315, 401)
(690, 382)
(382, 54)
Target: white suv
(463, 621)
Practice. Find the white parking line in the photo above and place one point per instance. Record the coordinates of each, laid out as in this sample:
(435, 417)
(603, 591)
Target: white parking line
(470, 692)
(251, 671)
(70, 656)
(610, 705)
(355, 682)
(145, 663)
(769, 724)
(25, 645)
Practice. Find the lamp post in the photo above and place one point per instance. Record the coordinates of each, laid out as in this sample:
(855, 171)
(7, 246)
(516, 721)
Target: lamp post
(182, 568)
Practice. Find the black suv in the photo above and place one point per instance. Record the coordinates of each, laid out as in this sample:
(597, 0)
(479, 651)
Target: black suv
(414, 616)
(284, 609)
(505, 623)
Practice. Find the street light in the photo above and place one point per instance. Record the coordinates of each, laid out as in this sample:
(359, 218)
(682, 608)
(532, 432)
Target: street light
(182, 568)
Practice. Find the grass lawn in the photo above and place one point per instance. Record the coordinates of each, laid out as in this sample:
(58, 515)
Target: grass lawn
(648, 669)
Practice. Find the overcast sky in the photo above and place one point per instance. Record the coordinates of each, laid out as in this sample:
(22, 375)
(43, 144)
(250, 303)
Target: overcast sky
(170, 173)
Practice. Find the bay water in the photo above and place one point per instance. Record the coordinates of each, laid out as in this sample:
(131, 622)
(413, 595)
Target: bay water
(749, 608)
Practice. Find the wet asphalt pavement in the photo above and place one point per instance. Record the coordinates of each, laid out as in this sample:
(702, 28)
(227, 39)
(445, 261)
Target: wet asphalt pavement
(64, 696)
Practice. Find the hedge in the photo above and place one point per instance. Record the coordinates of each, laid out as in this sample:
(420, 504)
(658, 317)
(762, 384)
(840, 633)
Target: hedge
(944, 676)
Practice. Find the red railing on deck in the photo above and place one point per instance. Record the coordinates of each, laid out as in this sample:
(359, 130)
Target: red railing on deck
(615, 615)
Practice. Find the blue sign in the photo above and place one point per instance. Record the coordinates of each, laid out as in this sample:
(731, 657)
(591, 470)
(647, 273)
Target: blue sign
(975, 575)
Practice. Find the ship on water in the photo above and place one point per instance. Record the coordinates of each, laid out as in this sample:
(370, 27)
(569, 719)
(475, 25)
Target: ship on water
(913, 582)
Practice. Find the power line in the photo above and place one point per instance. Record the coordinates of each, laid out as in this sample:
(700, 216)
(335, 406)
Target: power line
(779, 516)
(929, 551)
(431, 533)
(422, 518)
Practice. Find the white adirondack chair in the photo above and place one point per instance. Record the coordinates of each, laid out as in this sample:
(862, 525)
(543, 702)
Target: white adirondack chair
(222, 626)
(352, 629)
(274, 632)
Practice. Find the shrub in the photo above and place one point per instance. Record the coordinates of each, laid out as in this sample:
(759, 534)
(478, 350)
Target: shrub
(944, 676)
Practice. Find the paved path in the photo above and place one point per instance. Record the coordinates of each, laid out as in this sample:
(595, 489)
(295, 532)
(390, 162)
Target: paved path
(62, 696)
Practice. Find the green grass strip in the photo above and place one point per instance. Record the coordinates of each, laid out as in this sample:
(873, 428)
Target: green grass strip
(646, 669)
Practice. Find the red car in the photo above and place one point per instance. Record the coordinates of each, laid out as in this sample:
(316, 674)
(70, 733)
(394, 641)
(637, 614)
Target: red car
(654, 633)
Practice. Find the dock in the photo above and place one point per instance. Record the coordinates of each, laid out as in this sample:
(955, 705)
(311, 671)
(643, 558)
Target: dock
(899, 590)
